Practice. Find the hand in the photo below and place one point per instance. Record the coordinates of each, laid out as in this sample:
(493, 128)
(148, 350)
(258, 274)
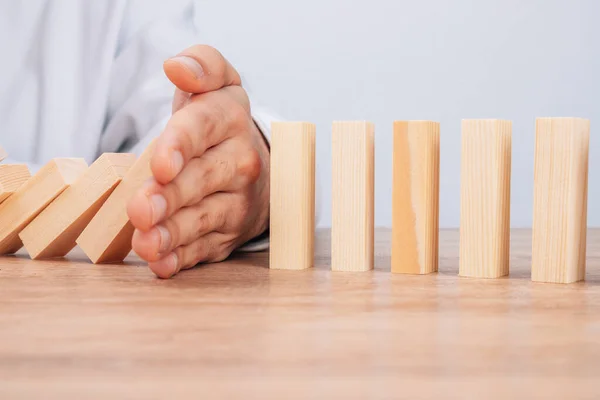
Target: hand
(210, 188)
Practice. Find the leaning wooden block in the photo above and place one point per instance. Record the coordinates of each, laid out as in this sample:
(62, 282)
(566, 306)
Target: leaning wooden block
(560, 200)
(485, 198)
(3, 154)
(54, 231)
(292, 214)
(415, 195)
(352, 196)
(12, 177)
(32, 197)
(107, 238)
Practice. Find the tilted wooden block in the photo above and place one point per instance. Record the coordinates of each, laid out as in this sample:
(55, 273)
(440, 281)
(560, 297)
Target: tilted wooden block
(560, 200)
(292, 214)
(107, 238)
(415, 197)
(32, 197)
(54, 231)
(3, 154)
(12, 177)
(352, 196)
(485, 198)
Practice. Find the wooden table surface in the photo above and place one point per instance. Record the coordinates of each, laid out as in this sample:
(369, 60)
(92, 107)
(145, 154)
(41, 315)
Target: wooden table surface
(69, 329)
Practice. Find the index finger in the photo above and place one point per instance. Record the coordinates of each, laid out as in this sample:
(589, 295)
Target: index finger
(200, 125)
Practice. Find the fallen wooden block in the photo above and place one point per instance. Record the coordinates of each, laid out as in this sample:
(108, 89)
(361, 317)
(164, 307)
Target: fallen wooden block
(54, 231)
(485, 198)
(31, 198)
(3, 154)
(292, 214)
(352, 196)
(560, 200)
(415, 197)
(12, 177)
(107, 238)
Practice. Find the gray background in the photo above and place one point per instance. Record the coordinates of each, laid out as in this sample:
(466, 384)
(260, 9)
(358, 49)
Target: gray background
(382, 60)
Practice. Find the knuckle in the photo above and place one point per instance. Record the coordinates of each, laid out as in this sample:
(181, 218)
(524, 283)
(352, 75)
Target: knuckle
(220, 253)
(250, 165)
(202, 221)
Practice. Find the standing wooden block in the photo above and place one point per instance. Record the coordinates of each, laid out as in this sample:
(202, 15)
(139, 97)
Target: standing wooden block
(352, 196)
(415, 194)
(32, 197)
(54, 231)
(12, 177)
(3, 154)
(292, 215)
(107, 238)
(560, 199)
(485, 198)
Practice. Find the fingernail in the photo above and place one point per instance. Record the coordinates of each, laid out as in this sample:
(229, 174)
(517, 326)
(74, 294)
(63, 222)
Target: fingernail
(173, 263)
(159, 208)
(165, 238)
(176, 161)
(191, 64)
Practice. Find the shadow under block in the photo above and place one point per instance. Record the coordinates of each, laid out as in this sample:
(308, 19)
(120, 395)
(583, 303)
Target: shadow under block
(352, 196)
(54, 231)
(292, 214)
(485, 198)
(33, 196)
(415, 195)
(107, 238)
(560, 200)
(3, 154)
(12, 177)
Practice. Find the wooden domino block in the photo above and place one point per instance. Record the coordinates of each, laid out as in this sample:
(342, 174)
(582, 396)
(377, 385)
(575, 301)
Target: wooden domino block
(415, 195)
(352, 196)
(3, 154)
(560, 200)
(107, 238)
(12, 177)
(32, 197)
(485, 198)
(54, 231)
(292, 215)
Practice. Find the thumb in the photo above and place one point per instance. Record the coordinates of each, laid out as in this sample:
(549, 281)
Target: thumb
(201, 69)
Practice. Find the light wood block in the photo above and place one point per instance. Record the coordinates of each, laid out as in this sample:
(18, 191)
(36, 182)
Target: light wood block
(485, 198)
(560, 200)
(53, 232)
(32, 197)
(292, 214)
(107, 238)
(3, 154)
(352, 196)
(415, 195)
(12, 177)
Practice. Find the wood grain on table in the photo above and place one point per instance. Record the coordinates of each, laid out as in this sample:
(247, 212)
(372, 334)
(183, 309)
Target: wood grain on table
(71, 329)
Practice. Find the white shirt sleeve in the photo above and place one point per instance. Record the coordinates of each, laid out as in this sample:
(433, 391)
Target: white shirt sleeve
(140, 95)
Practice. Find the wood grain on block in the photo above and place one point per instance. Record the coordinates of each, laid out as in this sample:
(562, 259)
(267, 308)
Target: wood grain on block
(12, 177)
(53, 233)
(3, 154)
(560, 200)
(107, 238)
(415, 194)
(485, 198)
(352, 196)
(292, 214)
(33, 196)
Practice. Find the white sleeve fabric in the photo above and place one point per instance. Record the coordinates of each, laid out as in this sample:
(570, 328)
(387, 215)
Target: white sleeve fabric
(140, 96)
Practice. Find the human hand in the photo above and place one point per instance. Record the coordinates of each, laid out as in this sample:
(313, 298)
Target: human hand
(210, 188)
